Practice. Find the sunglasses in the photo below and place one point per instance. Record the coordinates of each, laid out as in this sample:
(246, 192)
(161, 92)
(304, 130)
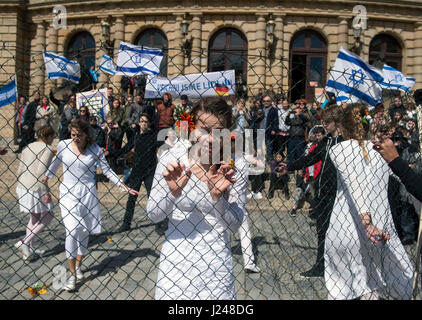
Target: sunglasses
(267, 100)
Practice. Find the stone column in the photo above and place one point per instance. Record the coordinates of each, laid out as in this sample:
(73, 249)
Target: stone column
(258, 60)
(417, 66)
(196, 32)
(276, 72)
(52, 42)
(343, 33)
(175, 63)
(119, 35)
(39, 70)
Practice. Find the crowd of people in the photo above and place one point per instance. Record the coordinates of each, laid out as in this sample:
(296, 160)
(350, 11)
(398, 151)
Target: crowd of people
(326, 148)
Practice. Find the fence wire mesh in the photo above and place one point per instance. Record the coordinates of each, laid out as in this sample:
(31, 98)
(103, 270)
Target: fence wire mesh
(280, 234)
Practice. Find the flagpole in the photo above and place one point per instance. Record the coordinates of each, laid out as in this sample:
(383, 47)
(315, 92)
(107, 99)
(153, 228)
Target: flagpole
(419, 241)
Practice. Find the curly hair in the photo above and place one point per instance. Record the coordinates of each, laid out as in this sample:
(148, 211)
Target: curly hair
(354, 128)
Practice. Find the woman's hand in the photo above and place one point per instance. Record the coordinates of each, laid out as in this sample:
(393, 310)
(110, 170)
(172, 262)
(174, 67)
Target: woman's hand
(47, 198)
(220, 179)
(176, 176)
(44, 179)
(129, 190)
(375, 234)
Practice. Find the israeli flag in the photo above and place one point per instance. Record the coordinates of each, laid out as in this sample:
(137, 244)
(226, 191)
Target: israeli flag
(59, 67)
(395, 80)
(107, 65)
(135, 60)
(8, 93)
(353, 80)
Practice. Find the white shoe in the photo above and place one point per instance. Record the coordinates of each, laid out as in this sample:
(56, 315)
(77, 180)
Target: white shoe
(38, 252)
(250, 195)
(24, 249)
(252, 268)
(258, 196)
(79, 274)
(70, 283)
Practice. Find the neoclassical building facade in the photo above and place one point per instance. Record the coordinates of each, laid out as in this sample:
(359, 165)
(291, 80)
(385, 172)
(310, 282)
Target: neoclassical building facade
(284, 43)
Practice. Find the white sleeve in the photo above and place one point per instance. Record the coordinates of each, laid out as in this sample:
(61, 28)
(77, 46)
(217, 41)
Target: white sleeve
(105, 167)
(161, 202)
(351, 176)
(57, 160)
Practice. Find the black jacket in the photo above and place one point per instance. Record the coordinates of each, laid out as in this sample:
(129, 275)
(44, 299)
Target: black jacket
(411, 180)
(326, 182)
(297, 125)
(145, 158)
(272, 120)
(30, 114)
(99, 135)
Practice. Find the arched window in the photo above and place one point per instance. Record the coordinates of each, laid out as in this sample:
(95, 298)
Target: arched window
(155, 38)
(308, 64)
(82, 49)
(385, 49)
(228, 49)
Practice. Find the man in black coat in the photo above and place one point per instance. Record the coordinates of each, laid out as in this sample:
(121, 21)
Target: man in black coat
(27, 125)
(325, 184)
(298, 123)
(270, 124)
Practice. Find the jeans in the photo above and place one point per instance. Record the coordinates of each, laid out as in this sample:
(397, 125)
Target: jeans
(295, 148)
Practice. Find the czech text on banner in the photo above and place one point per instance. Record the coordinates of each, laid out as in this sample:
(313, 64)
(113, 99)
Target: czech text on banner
(353, 80)
(59, 67)
(135, 60)
(395, 80)
(107, 65)
(198, 85)
(96, 101)
(8, 93)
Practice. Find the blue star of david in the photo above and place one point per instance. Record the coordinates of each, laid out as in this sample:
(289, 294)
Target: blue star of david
(357, 77)
(398, 78)
(61, 65)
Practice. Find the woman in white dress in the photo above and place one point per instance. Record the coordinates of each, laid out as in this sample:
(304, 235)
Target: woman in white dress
(363, 253)
(79, 203)
(34, 196)
(204, 204)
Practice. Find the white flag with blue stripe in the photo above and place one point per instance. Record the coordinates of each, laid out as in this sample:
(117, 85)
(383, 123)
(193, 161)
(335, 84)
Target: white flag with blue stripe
(395, 80)
(135, 60)
(107, 65)
(59, 67)
(8, 93)
(353, 80)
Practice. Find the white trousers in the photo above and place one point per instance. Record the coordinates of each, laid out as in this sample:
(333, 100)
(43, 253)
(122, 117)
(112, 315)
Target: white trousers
(246, 242)
(76, 242)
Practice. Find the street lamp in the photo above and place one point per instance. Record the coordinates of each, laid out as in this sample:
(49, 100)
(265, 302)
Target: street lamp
(186, 46)
(270, 35)
(357, 31)
(105, 31)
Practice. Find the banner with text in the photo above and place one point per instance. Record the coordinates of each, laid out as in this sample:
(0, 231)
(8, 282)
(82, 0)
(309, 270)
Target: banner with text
(96, 101)
(198, 85)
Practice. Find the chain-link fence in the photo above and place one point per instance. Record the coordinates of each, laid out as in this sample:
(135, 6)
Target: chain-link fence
(193, 231)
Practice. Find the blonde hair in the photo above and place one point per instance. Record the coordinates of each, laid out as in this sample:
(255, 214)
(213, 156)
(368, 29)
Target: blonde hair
(353, 127)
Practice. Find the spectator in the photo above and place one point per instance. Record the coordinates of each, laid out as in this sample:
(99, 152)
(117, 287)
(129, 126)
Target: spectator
(139, 84)
(257, 179)
(165, 112)
(278, 178)
(133, 112)
(94, 77)
(282, 137)
(27, 125)
(61, 104)
(46, 111)
(257, 116)
(117, 113)
(113, 144)
(241, 117)
(110, 97)
(280, 95)
(186, 103)
(70, 113)
(270, 124)
(260, 95)
(98, 134)
(296, 143)
(21, 109)
(413, 133)
(302, 192)
(84, 113)
(398, 119)
(144, 148)
(125, 84)
(397, 106)
(271, 93)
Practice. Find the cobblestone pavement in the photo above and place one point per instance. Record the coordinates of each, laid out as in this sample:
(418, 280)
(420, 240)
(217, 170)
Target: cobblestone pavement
(124, 265)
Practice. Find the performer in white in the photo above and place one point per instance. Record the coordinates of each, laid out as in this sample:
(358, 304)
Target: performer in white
(34, 196)
(79, 203)
(363, 253)
(204, 204)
